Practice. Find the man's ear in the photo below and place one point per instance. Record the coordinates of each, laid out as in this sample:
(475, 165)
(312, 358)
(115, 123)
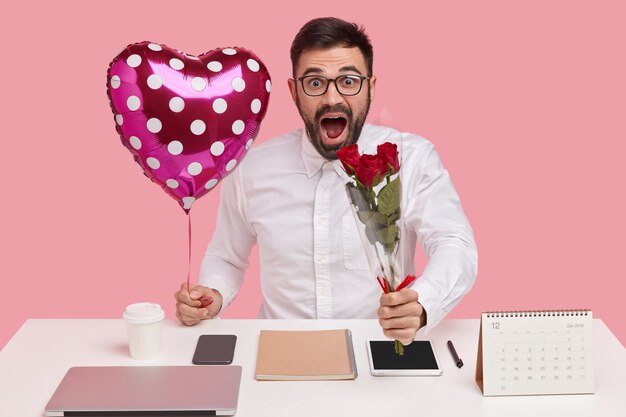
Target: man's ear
(372, 87)
(292, 88)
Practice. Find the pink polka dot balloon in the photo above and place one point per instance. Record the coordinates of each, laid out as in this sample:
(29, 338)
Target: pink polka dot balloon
(187, 120)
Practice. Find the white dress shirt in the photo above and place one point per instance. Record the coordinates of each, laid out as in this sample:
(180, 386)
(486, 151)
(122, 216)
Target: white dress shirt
(293, 202)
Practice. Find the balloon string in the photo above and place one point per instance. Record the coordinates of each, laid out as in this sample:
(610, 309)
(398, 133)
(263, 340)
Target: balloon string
(189, 249)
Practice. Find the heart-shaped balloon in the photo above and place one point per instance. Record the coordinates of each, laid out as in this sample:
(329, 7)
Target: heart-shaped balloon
(187, 120)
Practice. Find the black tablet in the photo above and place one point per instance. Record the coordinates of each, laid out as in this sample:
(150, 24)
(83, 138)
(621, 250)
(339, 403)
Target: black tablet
(419, 359)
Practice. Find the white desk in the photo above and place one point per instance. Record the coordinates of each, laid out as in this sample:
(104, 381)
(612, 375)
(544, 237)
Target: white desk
(35, 360)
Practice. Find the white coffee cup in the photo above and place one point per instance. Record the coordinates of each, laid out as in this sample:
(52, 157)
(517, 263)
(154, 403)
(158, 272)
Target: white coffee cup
(143, 323)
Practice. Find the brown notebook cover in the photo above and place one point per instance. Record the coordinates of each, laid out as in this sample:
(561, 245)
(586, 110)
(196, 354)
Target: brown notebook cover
(305, 355)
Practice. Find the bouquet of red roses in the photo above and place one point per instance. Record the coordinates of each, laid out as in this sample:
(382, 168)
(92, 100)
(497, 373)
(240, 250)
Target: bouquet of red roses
(375, 194)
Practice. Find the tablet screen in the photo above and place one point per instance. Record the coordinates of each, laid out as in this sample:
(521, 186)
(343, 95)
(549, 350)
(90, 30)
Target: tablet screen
(418, 355)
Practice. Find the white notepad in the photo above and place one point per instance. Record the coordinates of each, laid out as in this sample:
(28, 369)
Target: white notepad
(535, 353)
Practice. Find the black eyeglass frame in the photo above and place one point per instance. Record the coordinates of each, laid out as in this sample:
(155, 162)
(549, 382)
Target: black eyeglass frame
(334, 80)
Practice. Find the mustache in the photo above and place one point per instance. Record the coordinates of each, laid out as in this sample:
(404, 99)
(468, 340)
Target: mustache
(337, 108)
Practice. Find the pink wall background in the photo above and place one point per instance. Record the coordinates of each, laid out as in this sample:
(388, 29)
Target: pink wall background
(524, 101)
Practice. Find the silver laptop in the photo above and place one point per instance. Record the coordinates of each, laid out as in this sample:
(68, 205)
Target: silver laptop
(147, 391)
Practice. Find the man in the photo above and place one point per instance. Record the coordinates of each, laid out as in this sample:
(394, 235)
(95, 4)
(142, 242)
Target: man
(288, 196)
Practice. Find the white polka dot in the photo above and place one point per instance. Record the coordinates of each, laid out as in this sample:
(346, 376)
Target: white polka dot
(231, 164)
(194, 168)
(177, 104)
(115, 82)
(172, 183)
(133, 103)
(238, 84)
(188, 201)
(217, 148)
(255, 106)
(238, 127)
(155, 81)
(253, 65)
(220, 105)
(198, 127)
(176, 64)
(214, 66)
(249, 143)
(155, 47)
(133, 61)
(135, 142)
(268, 86)
(119, 119)
(210, 184)
(153, 163)
(175, 147)
(229, 51)
(198, 83)
(154, 125)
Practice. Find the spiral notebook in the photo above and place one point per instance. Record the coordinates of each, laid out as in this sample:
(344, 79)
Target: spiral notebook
(535, 353)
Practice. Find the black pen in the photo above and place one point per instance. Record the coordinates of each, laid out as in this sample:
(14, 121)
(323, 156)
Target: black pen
(459, 361)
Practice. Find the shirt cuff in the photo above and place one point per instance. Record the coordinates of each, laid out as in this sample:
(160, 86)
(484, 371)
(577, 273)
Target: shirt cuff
(427, 297)
(220, 285)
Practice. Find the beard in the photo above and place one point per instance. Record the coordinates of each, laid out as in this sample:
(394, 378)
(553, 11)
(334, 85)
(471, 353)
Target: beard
(354, 124)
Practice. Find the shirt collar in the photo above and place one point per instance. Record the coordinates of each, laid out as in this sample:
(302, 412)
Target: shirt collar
(313, 161)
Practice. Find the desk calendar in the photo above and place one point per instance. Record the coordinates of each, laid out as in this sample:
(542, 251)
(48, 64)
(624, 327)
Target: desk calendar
(535, 353)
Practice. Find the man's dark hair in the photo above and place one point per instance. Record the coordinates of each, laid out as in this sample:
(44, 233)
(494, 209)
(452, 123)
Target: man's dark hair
(327, 32)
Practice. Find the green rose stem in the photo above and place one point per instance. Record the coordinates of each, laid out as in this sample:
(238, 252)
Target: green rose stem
(399, 348)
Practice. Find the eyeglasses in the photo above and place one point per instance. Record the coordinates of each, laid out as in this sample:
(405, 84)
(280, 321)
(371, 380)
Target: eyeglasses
(347, 85)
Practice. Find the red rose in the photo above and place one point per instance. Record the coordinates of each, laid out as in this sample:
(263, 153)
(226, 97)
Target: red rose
(370, 170)
(349, 157)
(388, 154)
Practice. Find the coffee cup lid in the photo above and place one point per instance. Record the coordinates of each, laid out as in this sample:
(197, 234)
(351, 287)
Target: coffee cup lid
(143, 313)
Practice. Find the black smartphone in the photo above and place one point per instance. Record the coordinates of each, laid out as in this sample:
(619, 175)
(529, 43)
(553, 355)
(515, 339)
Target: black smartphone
(215, 349)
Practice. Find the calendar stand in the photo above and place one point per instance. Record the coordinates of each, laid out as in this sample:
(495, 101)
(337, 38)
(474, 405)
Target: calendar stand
(479, 360)
(535, 353)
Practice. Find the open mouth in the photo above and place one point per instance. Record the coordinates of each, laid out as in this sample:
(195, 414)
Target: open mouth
(333, 128)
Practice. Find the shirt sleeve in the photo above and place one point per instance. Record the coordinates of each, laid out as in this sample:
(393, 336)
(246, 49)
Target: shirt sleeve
(226, 259)
(434, 212)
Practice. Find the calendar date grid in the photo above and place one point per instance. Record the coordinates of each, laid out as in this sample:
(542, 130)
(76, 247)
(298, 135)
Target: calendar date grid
(522, 360)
